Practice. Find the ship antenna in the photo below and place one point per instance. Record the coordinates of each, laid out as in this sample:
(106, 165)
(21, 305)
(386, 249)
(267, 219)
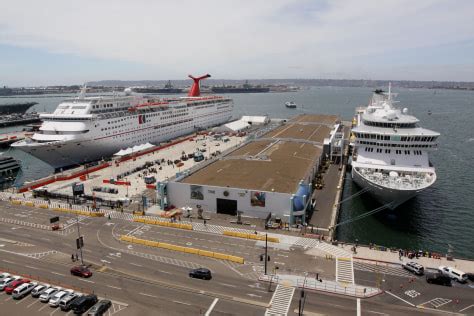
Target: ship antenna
(194, 91)
(82, 94)
(389, 91)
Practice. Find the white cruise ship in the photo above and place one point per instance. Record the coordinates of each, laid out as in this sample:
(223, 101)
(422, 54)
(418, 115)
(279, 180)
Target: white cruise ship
(86, 129)
(390, 157)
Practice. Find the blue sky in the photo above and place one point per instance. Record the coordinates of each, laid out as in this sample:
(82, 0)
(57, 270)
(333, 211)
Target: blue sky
(63, 42)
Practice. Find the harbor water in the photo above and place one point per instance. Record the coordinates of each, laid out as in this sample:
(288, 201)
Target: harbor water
(440, 216)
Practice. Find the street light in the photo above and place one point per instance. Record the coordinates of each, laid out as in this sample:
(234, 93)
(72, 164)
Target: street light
(302, 299)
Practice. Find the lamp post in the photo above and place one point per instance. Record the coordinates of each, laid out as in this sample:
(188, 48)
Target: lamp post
(266, 252)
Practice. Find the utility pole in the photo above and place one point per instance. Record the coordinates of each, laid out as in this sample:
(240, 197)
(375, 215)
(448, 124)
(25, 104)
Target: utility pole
(79, 238)
(266, 252)
(302, 297)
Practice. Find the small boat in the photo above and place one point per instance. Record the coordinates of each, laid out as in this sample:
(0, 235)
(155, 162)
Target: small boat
(429, 112)
(9, 169)
(290, 104)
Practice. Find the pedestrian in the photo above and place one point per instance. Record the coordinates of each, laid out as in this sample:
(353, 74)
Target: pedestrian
(204, 222)
(77, 257)
(72, 257)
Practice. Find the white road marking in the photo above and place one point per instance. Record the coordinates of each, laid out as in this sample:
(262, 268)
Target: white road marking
(34, 268)
(86, 280)
(145, 294)
(51, 314)
(34, 302)
(8, 261)
(358, 307)
(114, 287)
(401, 299)
(253, 295)
(44, 306)
(225, 284)
(184, 303)
(211, 307)
(166, 272)
(466, 308)
(58, 273)
(136, 264)
(374, 312)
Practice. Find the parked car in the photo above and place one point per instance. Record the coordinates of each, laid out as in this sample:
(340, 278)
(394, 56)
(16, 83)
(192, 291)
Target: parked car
(4, 275)
(414, 267)
(54, 300)
(23, 290)
(46, 295)
(438, 278)
(201, 273)
(36, 292)
(453, 273)
(82, 304)
(100, 308)
(4, 283)
(13, 285)
(65, 302)
(470, 276)
(81, 271)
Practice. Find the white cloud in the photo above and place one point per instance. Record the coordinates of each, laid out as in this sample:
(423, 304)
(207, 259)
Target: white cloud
(240, 39)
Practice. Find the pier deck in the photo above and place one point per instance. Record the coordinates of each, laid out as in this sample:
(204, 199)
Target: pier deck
(327, 209)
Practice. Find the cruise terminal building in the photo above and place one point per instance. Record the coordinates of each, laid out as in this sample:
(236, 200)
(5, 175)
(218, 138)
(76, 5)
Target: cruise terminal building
(272, 173)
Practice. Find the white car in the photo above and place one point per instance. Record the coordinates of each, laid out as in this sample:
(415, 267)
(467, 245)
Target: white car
(4, 283)
(4, 275)
(36, 292)
(414, 267)
(453, 273)
(56, 298)
(46, 295)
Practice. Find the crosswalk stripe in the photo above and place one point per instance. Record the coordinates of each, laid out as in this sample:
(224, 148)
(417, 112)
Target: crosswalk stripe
(281, 301)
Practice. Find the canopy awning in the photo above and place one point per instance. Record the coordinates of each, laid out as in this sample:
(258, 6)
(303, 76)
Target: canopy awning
(133, 149)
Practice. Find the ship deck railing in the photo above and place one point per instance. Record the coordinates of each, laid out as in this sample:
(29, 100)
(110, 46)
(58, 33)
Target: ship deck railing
(415, 181)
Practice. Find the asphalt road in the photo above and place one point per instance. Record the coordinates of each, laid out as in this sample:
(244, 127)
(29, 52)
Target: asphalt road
(142, 280)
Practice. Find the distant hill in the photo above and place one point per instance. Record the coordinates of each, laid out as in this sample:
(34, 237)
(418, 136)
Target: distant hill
(296, 82)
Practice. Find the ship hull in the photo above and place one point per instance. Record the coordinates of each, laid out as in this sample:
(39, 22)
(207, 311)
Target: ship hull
(75, 152)
(393, 198)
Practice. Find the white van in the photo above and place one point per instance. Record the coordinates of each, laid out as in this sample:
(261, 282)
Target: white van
(453, 273)
(23, 290)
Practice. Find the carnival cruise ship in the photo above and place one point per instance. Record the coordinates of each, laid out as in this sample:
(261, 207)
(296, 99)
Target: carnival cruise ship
(391, 152)
(86, 129)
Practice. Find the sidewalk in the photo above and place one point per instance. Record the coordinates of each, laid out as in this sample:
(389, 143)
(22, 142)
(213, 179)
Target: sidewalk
(325, 285)
(388, 257)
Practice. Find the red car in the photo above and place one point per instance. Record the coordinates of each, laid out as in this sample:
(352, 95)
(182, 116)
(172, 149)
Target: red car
(81, 271)
(9, 289)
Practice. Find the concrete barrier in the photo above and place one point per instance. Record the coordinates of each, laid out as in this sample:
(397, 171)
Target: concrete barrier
(163, 223)
(78, 212)
(195, 251)
(250, 236)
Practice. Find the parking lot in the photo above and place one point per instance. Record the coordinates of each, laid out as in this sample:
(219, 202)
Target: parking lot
(33, 306)
(406, 288)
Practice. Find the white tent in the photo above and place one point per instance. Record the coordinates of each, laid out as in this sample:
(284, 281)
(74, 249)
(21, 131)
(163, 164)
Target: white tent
(133, 149)
(255, 119)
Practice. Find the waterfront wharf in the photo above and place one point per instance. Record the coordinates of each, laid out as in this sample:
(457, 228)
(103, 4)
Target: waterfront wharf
(9, 138)
(123, 178)
(326, 212)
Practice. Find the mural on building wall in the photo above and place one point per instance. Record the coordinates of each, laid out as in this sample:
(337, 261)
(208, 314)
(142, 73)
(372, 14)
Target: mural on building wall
(196, 192)
(257, 198)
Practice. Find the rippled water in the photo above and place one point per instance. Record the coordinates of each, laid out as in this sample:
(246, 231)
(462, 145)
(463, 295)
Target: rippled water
(441, 215)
